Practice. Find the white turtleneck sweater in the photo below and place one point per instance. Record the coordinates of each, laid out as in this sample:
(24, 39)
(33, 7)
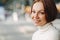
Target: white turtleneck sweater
(46, 32)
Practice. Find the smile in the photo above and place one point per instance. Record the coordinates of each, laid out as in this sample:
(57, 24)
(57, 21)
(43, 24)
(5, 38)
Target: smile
(36, 21)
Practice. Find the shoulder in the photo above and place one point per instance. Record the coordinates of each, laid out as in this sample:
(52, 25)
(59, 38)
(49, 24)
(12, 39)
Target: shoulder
(54, 35)
(54, 32)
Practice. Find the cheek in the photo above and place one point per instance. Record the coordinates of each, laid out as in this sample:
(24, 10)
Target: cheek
(42, 17)
(32, 16)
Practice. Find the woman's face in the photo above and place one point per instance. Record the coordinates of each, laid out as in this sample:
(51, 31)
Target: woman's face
(38, 14)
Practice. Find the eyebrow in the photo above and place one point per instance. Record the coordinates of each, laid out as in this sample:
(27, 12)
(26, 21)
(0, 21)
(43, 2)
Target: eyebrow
(39, 10)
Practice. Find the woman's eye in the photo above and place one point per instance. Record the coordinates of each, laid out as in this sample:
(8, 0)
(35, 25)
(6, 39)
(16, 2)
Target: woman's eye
(41, 12)
(33, 11)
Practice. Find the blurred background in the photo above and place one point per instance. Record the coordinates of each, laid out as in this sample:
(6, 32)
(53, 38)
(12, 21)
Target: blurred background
(15, 21)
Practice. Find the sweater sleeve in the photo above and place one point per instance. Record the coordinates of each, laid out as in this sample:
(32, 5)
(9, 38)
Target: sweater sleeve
(54, 36)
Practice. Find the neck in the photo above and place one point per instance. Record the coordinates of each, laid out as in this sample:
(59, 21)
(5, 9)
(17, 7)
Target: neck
(44, 27)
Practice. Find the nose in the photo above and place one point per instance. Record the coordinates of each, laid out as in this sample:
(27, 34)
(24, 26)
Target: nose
(36, 15)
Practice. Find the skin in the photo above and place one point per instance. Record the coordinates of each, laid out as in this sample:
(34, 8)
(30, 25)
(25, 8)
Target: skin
(38, 15)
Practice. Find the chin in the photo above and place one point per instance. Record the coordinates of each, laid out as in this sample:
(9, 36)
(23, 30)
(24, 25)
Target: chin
(36, 24)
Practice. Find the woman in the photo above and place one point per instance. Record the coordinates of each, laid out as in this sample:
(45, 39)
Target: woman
(43, 13)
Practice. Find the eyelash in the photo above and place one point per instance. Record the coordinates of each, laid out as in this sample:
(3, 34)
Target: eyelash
(38, 12)
(33, 11)
(42, 12)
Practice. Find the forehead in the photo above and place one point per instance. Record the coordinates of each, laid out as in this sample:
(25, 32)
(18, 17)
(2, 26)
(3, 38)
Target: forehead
(38, 6)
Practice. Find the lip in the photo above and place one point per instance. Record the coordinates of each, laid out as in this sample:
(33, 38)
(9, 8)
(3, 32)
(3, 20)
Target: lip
(36, 21)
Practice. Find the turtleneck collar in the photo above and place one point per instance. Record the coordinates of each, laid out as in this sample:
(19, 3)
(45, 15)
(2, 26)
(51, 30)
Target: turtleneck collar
(45, 27)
